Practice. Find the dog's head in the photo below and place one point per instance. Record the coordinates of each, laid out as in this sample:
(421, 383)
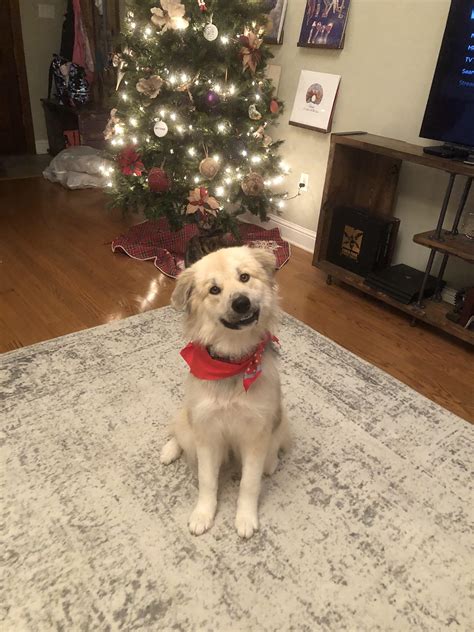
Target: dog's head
(229, 298)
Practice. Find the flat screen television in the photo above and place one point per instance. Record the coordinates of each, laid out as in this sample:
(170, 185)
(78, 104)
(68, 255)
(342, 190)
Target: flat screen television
(449, 115)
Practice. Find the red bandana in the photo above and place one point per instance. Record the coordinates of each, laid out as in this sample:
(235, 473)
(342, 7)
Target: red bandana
(204, 367)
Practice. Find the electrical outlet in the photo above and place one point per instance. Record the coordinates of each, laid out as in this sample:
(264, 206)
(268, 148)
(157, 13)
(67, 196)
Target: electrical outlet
(304, 183)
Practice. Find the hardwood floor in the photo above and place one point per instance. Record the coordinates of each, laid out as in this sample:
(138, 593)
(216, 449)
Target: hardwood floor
(58, 275)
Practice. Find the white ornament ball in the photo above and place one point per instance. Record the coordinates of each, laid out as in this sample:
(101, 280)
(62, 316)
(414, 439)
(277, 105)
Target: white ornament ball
(160, 129)
(210, 32)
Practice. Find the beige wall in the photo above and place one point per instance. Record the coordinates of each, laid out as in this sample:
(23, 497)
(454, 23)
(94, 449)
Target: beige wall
(386, 66)
(41, 38)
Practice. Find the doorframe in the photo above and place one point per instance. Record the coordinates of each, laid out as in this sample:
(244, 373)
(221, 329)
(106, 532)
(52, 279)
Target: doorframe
(19, 54)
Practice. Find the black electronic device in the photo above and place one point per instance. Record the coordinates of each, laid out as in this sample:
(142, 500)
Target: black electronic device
(447, 151)
(401, 282)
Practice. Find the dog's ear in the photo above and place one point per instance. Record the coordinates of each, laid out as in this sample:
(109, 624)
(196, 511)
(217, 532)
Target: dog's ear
(266, 259)
(183, 290)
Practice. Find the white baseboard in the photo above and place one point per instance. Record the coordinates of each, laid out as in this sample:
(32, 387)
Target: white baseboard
(297, 235)
(42, 146)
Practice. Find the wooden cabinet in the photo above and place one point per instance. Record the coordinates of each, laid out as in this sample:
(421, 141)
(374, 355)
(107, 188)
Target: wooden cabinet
(363, 171)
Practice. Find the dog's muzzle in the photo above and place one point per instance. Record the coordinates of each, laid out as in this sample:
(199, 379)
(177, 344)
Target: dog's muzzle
(243, 314)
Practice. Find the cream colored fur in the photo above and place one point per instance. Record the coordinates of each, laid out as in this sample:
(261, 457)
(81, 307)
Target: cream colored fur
(219, 417)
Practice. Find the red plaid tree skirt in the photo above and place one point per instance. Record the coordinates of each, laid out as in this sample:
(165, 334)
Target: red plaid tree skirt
(154, 240)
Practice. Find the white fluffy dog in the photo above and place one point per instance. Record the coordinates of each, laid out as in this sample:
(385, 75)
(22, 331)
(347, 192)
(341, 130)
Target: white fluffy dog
(232, 398)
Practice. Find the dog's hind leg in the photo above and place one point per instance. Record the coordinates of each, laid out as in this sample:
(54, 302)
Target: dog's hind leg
(170, 452)
(174, 447)
(280, 440)
(271, 460)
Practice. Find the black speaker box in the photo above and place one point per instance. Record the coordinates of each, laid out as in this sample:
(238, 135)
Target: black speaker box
(361, 241)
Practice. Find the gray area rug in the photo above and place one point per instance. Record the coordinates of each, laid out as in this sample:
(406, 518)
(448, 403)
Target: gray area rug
(364, 526)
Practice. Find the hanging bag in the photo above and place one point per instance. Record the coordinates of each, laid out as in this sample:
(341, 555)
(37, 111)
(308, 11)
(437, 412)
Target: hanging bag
(70, 83)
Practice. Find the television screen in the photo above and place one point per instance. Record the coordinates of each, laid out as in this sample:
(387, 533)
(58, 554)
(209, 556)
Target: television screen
(449, 115)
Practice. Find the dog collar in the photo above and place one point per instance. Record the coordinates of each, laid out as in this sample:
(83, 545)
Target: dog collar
(203, 366)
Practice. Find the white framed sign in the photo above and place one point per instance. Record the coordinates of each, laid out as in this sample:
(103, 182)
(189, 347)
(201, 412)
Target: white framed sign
(315, 97)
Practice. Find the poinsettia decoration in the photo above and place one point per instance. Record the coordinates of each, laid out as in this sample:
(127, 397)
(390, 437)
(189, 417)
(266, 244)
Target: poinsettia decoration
(250, 51)
(130, 163)
(200, 200)
(170, 16)
(150, 87)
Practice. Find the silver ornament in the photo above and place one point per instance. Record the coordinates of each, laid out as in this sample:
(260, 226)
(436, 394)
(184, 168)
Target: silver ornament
(254, 114)
(210, 32)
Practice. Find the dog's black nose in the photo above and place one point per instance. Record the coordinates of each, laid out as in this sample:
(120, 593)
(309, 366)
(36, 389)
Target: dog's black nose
(241, 304)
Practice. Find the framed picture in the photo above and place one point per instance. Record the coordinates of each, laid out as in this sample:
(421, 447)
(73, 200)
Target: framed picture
(276, 19)
(324, 24)
(314, 101)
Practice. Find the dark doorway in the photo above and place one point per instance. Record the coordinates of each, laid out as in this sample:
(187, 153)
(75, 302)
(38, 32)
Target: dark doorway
(16, 127)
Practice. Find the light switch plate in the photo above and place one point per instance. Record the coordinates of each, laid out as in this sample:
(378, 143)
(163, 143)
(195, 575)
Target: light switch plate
(46, 11)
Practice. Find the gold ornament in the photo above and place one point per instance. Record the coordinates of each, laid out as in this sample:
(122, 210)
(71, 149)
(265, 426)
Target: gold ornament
(109, 131)
(252, 184)
(209, 168)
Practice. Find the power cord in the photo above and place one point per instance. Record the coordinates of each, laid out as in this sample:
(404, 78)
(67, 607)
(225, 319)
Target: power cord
(300, 187)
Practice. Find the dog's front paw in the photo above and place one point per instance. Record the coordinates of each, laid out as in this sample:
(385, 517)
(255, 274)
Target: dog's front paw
(170, 452)
(200, 521)
(246, 523)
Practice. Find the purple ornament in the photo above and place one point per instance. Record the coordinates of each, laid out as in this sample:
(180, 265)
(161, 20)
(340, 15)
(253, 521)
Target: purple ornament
(212, 99)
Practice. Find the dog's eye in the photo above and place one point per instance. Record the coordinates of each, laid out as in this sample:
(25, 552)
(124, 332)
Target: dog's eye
(215, 290)
(244, 277)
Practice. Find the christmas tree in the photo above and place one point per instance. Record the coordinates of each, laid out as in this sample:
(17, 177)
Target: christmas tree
(189, 132)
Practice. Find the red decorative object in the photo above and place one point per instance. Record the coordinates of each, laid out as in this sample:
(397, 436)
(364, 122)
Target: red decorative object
(204, 367)
(202, 6)
(130, 162)
(274, 106)
(154, 240)
(158, 180)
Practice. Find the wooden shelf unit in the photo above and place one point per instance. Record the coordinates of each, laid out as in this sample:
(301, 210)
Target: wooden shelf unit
(363, 171)
(456, 245)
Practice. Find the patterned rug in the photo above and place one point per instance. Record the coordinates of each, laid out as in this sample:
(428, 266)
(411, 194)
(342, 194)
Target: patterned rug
(153, 240)
(364, 526)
